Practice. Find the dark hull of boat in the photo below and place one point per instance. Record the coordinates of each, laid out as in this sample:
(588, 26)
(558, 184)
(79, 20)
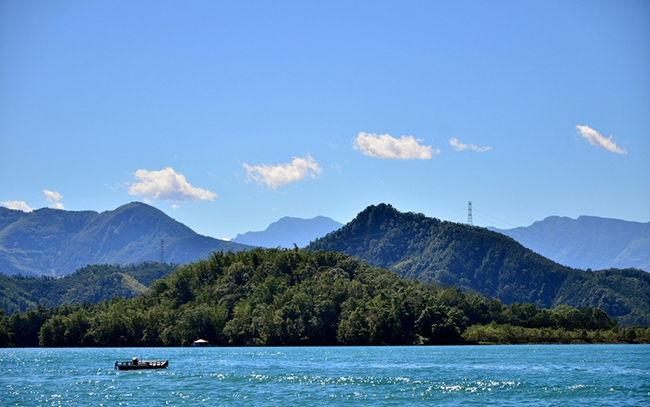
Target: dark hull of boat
(141, 365)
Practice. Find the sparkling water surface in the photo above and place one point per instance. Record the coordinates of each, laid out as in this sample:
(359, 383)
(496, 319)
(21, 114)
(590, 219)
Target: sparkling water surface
(532, 375)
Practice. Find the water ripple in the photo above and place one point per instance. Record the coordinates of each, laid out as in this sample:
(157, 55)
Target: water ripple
(514, 375)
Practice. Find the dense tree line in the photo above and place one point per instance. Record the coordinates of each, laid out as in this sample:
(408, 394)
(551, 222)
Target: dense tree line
(474, 258)
(494, 333)
(291, 297)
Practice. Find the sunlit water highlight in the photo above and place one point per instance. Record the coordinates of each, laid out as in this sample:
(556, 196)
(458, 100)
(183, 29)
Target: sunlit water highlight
(543, 375)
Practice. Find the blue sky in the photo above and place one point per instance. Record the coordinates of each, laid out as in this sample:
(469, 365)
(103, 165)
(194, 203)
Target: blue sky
(230, 115)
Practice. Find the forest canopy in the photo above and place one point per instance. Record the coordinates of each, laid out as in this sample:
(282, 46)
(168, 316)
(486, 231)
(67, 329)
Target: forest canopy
(286, 297)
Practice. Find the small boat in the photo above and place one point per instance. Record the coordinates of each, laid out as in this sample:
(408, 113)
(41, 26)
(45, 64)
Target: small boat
(135, 364)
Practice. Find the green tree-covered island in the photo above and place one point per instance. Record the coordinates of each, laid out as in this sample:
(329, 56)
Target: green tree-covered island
(281, 297)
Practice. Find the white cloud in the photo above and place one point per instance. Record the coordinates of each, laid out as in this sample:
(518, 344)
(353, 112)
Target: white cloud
(597, 139)
(17, 205)
(174, 206)
(385, 146)
(281, 174)
(168, 185)
(53, 198)
(458, 146)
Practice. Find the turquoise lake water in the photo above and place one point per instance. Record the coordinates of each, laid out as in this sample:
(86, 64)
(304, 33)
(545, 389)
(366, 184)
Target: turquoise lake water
(531, 375)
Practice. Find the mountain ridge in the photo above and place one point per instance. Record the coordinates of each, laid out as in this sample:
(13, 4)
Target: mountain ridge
(493, 264)
(588, 242)
(56, 242)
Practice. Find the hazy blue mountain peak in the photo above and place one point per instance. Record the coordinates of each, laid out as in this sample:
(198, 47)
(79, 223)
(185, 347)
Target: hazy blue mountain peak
(588, 242)
(288, 231)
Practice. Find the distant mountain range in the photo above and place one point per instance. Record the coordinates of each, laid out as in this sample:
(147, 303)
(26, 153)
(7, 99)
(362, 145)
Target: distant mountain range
(473, 258)
(55, 242)
(588, 242)
(289, 231)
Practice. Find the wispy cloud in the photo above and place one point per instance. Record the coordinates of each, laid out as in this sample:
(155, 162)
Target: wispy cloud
(596, 139)
(281, 174)
(17, 205)
(458, 146)
(385, 146)
(168, 185)
(53, 198)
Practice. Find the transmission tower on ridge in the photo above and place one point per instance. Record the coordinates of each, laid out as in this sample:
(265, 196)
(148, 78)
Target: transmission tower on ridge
(162, 251)
(470, 221)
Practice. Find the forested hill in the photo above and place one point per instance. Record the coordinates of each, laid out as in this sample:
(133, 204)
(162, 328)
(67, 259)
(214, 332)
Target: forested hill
(94, 283)
(55, 242)
(495, 265)
(297, 298)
